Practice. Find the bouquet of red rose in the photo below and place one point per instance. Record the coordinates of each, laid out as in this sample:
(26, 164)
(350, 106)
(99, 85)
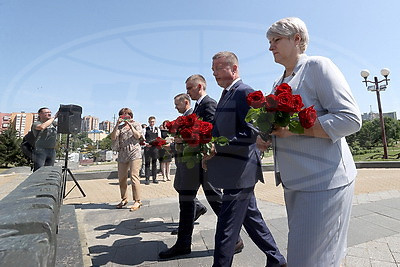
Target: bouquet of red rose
(197, 138)
(158, 142)
(281, 108)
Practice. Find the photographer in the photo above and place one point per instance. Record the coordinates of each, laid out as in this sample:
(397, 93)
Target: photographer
(126, 140)
(45, 133)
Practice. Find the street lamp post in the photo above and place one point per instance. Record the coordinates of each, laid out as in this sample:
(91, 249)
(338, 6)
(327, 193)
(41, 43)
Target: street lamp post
(377, 88)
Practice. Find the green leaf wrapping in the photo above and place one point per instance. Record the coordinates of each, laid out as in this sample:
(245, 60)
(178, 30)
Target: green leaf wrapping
(282, 118)
(265, 122)
(253, 114)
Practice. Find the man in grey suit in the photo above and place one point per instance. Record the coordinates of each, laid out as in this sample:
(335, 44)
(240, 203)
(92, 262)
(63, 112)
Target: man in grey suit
(236, 168)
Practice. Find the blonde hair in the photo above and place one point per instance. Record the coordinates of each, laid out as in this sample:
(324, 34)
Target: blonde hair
(288, 27)
(198, 79)
(230, 57)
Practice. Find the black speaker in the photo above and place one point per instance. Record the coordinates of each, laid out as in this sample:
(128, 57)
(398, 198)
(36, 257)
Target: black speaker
(69, 119)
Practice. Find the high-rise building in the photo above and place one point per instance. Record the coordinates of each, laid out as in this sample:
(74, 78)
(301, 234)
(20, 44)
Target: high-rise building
(106, 126)
(22, 122)
(90, 123)
(5, 121)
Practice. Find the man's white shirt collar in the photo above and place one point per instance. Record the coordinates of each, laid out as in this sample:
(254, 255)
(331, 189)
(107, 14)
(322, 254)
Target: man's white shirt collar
(230, 86)
(200, 99)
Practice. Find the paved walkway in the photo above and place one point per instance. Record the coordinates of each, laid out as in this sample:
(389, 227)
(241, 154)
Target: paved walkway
(112, 237)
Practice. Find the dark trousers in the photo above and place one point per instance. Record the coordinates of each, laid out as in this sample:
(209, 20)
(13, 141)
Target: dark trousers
(150, 156)
(43, 157)
(239, 208)
(189, 204)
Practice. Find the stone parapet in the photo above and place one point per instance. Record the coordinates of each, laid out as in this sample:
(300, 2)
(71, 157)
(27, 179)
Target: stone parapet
(29, 220)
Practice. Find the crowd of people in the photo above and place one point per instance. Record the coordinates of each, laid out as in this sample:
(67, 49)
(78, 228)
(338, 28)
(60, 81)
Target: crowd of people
(315, 168)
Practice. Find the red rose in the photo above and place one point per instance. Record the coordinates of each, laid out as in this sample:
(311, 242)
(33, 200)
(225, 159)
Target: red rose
(205, 131)
(285, 102)
(255, 99)
(271, 102)
(186, 134)
(194, 140)
(283, 88)
(172, 127)
(191, 119)
(181, 122)
(297, 103)
(307, 117)
(158, 142)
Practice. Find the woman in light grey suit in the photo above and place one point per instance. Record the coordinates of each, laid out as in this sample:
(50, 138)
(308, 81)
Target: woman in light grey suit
(316, 168)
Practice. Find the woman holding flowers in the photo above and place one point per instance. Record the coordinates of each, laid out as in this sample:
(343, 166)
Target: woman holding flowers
(126, 138)
(315, 167)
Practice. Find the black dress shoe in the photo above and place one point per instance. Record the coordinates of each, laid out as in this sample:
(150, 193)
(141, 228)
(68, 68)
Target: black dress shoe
(175, 231)
(147, 182)
(155, 181)
(199, 213)
(239, 246)
(174, 251)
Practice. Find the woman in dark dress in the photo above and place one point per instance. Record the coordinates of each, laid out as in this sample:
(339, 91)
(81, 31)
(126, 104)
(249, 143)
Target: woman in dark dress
(165, 156)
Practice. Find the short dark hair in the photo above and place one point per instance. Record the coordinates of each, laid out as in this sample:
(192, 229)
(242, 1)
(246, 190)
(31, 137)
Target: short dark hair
(182, 97)
(40, 109)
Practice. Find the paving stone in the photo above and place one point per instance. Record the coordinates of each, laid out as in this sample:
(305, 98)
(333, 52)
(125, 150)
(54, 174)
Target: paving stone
(352, 261)
(375, 263)
(379, 251)
(68, 237)
(361, 231)
(357, 251)
(383, 221)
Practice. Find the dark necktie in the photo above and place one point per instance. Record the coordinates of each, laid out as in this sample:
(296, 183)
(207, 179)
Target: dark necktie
(223, 94)
(195, 107)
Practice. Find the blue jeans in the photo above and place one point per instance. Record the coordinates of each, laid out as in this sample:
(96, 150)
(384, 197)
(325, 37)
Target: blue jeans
(43, 157)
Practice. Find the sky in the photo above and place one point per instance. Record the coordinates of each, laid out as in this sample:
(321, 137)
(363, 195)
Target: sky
(105, 55)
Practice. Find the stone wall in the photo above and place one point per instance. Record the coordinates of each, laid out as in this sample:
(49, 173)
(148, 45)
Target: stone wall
(29, 219)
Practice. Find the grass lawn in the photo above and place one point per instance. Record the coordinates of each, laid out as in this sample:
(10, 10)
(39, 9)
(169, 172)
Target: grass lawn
(393, 154)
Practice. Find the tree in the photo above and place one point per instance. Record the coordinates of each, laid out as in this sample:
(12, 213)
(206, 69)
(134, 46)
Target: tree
(370, 135)
(105, 143)
(10, 152)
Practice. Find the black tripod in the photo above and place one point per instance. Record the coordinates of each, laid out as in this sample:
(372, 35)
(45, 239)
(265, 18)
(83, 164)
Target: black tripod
(65, 171)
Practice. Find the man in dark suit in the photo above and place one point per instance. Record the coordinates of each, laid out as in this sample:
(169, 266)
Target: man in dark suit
(236, 168)
(151, 152)
(187, 181)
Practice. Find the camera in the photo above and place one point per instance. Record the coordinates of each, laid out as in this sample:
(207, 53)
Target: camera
(125, 117)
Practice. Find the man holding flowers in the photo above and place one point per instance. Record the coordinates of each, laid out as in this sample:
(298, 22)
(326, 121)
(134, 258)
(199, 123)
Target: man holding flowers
(194, 133)
(236, 168)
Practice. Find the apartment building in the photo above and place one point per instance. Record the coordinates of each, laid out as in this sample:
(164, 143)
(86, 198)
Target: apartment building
(22, 122)
(5, 121)
(90, 123)
(106, 126)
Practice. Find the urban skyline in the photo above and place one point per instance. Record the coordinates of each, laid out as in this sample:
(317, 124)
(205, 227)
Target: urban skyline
(134, 54)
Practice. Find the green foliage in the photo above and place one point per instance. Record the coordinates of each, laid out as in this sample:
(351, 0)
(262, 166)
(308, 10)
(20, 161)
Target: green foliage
(369, 138)
(10, 151)
(191, 156)
(282, 118)
(221, 140)
(105, 143)
(295, 126)
(260, 119)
